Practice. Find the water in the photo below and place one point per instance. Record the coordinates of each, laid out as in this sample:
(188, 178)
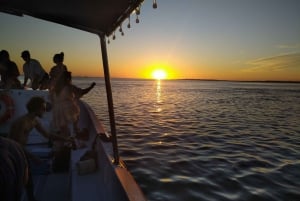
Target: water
(206, 140)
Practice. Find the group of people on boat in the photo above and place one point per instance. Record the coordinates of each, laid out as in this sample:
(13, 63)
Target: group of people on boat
(33, 72)
(14, 158)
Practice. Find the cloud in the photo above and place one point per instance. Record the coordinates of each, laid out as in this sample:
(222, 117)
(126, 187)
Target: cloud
(276, 63)
(293, 46)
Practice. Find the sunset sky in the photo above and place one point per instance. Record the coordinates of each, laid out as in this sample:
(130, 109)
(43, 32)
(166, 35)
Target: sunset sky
(205, 39)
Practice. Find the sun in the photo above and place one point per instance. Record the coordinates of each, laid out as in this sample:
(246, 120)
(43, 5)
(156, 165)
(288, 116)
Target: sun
(159, 74)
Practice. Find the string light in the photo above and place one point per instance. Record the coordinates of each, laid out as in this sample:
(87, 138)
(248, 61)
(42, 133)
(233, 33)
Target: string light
(137, 12)
(121, 30)
(114, 36)
(154, 4)
(128, 25)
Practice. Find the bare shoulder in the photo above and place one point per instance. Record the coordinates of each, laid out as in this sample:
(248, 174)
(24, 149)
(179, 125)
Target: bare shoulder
(21, 127)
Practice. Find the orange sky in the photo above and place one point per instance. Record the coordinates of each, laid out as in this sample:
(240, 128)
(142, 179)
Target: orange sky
(225, 40)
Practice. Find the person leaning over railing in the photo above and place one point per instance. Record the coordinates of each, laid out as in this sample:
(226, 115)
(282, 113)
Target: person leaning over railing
(34, 71)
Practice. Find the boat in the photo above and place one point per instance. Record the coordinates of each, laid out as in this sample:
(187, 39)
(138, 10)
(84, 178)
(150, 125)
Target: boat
(107, 179)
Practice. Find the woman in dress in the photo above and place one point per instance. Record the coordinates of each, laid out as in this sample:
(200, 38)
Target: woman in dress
(65, 107)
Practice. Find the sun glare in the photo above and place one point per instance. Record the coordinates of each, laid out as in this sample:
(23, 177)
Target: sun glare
(159, 74)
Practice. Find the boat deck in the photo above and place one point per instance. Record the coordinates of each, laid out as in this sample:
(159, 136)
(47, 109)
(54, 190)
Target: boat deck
(70, 185)
(48, 186)
(52, 187)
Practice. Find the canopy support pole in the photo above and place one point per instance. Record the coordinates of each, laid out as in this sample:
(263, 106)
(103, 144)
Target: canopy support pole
(109, 98)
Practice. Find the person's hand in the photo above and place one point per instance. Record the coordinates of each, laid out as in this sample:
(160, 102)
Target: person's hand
(68, 142)
(70, 139)
(93, 84)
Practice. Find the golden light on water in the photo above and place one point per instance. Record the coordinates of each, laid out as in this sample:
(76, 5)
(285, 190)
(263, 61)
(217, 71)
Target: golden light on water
(159, 74)
(158, 96)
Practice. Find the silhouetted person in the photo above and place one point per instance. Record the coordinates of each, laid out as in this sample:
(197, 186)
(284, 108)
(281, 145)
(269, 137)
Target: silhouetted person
(21, 128)
(34, 71)
(9, 72)
(57, 70)
(65, 106)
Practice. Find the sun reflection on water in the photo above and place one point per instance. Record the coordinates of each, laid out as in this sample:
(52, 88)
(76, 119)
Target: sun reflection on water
(158, 96)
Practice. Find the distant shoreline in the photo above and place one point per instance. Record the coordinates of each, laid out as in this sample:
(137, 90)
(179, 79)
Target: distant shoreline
(270, 81)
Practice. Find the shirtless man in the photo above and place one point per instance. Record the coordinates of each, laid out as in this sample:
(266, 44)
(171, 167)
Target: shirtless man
(20, 130)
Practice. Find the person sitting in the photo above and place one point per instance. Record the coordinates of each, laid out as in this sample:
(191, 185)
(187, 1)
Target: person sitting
(34, 71)
(13, 170)
(21, 128)
(9, 72)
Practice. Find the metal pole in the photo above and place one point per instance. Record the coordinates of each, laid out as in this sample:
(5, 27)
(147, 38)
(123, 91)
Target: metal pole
(109, 98)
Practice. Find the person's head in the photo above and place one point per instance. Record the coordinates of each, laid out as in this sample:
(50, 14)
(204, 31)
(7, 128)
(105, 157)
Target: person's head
(25, 55)
(4, 55)
(58, 58)
(36, 105)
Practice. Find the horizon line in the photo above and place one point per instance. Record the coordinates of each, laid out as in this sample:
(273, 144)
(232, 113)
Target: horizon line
(194, 79)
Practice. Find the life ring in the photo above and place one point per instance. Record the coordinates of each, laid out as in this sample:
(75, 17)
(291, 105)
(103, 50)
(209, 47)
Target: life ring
(8, 108)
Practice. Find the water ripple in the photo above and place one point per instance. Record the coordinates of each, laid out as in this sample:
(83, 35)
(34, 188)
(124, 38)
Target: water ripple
(210, 141)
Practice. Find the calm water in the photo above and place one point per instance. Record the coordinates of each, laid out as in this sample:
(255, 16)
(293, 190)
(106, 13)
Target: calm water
(205, 140)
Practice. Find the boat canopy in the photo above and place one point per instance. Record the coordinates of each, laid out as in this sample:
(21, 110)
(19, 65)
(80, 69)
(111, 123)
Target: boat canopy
(101, 17)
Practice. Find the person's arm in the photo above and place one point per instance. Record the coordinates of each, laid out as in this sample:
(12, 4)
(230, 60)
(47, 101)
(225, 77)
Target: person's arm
(48, 135)
(80, 92)
(87, 90)
(38, 70)
(42, 130)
